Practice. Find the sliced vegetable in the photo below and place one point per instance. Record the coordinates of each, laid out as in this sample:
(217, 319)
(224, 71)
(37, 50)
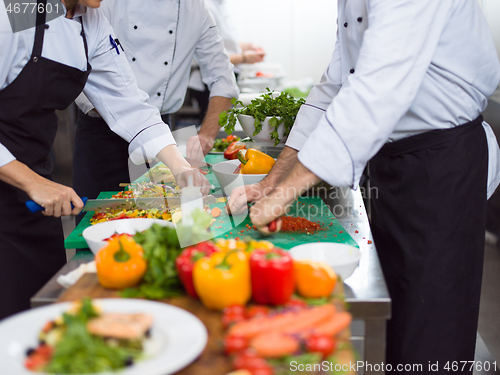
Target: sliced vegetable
(274, 345)
(232, 150)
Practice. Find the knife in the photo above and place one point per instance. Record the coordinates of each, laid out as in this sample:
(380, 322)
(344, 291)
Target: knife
(131, 203)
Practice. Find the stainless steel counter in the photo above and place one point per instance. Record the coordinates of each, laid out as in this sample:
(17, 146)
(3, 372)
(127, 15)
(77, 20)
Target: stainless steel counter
(365, 289)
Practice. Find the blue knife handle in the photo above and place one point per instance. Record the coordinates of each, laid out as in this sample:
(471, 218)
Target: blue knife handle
(35, 207)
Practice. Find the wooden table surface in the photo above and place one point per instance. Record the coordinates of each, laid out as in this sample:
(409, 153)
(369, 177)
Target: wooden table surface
(212, 361)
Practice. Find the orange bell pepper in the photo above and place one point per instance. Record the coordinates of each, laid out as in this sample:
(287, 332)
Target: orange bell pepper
(314, 279)
(255, 162)
(120, 264)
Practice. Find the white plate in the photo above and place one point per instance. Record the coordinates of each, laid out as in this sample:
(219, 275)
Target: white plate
(177, 336)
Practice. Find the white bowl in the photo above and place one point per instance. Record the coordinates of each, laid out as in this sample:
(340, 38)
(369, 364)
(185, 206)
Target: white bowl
(228, 180)
(97, 233)
(264, 136)
(343, 258)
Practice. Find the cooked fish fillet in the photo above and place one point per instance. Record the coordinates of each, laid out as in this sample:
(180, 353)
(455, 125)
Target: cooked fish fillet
(120, 326)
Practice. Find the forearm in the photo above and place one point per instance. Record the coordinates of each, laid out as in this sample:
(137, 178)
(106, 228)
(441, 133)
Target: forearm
(210, 126)
(173, 159)
(299, 180)
(18, 175)
(283, 165)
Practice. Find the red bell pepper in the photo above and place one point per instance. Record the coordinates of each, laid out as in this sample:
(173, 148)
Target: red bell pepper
(272, 277)
(231, 152)
(185, 263)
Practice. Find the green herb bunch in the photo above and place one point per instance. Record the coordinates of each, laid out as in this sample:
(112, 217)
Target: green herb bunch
(161, 248)
(283, 109)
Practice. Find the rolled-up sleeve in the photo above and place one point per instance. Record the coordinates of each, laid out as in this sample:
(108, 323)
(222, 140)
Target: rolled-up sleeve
(395, 55)
(112, 89)
(216, 69)
(317, 102)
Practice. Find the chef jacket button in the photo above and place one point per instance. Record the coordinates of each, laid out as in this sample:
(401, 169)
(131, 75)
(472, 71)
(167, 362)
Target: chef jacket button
(135, 27)
(82, 33)
(166, 62)
(170, 31)
(46, 26)
(345, 24)
(133, 58)
(351, 71)
(360, 19)
(158, 93)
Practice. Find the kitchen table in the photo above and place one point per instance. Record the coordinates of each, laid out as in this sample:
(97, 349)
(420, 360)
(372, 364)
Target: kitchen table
(365, 290)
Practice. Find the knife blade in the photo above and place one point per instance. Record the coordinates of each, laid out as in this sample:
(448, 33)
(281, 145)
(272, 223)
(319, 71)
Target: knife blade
(138, 203)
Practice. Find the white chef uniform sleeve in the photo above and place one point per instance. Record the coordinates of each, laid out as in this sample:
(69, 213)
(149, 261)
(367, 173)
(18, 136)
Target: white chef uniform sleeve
(396, 52)
(112, 89)
(5, 156)
(216, 68)
(317, 102)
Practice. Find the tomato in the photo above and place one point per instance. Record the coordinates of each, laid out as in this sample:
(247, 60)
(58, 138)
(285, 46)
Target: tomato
(234, 344)
(99, 216)
(39, 358)
(264, 370)
(45, 350)
(323, 344)
(231, 138)
(257, 310)
(229, 319)
(295, 303)
(234, 310)
(249, 360)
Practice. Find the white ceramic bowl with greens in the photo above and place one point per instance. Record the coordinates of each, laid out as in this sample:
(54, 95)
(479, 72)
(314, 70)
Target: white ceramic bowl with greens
(264, 136)
(228, 180)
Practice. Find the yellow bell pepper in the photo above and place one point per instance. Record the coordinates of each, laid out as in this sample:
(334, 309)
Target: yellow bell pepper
(314, 279)
(223, 279)
(255, 162)
(120, 264)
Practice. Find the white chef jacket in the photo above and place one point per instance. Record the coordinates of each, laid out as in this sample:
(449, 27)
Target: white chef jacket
(111, 85)
(227, 28)
(160, 39)
(399, 68)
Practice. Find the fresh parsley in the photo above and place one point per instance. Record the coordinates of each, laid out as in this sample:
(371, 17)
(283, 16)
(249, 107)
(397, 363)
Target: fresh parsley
(282, 109)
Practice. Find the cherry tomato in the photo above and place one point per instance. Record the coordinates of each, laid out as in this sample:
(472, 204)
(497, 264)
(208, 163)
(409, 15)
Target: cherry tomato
(231, 138)
(229, 319)
(295, 303)
(321, 344)
(272, 226)
(257, 310)
(45, 350)
(249, 360)
(35, 362)
(234, 310)
(235, 344)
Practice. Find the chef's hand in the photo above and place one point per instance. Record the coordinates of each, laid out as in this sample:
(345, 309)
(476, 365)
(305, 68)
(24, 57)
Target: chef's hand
(184, 174)
(268, 209)
(55, 198)
(253, 56)
(198, 146)
(242, 195)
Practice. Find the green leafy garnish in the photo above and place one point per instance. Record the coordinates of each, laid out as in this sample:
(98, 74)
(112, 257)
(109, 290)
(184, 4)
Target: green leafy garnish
(161, 248)
(283, 109)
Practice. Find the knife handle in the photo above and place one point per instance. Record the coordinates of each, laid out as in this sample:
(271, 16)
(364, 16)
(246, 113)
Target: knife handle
(35, 207)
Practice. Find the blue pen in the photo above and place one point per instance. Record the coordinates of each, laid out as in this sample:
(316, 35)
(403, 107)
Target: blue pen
(113, 43)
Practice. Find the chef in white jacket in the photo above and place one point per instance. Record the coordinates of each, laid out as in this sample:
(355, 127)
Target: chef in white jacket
(405, 90)
(42, 69)
(159, 40)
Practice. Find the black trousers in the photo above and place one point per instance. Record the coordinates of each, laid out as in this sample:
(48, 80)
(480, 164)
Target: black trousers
(428, 223)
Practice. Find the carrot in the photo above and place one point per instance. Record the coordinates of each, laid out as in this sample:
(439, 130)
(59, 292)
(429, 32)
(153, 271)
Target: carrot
(335, 324)
(216, 211)
(274, 345)
(287, 323)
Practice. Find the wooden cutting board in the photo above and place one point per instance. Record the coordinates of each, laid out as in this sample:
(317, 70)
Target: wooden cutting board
(212, 361)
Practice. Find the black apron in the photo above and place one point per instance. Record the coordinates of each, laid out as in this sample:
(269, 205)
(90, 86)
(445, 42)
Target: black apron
(31, 245)
(428, 223)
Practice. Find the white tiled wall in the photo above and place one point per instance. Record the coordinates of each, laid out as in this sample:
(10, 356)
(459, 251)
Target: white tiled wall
(300, 34)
